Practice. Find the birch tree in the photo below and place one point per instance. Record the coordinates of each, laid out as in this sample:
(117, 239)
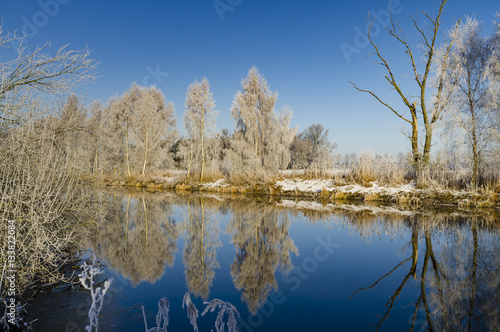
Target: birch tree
(474, 104)
(142, 124)
(252, 108)
(71, 133)
(262, 138)
(495, 73)
(199, 120)
(95, 129)
(154, 123)
(431, 97)
(120, 126)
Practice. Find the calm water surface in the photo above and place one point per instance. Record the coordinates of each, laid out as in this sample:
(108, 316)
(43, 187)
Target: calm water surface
(290, 266)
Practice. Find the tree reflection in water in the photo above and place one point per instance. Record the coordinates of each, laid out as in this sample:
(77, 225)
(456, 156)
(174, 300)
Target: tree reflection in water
(200, 253)
(459, 283)
(451, 258)
(138, 238)
(260, 236)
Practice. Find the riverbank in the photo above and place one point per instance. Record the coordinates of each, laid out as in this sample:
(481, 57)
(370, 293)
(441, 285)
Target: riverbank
(324, 188)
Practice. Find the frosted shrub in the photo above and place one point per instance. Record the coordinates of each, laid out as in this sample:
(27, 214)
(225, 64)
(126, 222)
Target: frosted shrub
(364, 171)
(232, 324)
(162, 315)
(87, 280)
(18, 323)
(192, 312)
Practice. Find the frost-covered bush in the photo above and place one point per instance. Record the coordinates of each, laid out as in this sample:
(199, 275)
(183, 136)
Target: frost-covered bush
(87, 280)
(8, 324)
(224, 307)
(192, 312)
(162, 315)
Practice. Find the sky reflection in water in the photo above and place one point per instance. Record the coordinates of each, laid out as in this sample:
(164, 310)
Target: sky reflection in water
(346, 268)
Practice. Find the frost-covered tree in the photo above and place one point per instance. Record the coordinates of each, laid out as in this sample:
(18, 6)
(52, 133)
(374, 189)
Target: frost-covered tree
(119, 129)
(37, 72)
(474, 103)
(199, 121)
(154, 124)
(72, 137)
(262, 137)
(495, 75)
(38, 191)
(141, 128)
(95, 130)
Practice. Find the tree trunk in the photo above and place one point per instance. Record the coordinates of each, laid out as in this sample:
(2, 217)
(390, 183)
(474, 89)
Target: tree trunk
(126, 152)
(202, 146)
(145, 155)
(414, 245)
(145, 218)
(414, 139)
(95, 160)
(475, 152)
(190, 159)
(427, 144)
(474, 278)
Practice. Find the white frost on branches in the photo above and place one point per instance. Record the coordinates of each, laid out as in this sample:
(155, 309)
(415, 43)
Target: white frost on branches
(232, 324)
(87, 280)
(192, 312)
(163, 309)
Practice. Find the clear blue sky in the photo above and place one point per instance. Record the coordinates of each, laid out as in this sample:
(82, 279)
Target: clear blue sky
(295, 44)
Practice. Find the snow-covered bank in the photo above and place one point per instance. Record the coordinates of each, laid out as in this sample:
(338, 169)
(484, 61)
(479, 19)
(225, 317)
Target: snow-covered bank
(327, 189)
(405, 193)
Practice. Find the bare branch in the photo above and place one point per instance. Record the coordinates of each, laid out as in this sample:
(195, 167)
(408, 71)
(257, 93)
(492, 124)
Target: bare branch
(380, 101)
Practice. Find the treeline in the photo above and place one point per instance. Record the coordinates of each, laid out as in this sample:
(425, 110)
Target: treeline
(455, 112)
(135, 134)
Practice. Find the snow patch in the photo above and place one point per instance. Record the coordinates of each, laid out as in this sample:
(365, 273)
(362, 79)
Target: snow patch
(216, 184)
(305, 185)
(318, 185)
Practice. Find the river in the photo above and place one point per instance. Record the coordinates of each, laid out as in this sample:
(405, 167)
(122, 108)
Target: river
(288, 265)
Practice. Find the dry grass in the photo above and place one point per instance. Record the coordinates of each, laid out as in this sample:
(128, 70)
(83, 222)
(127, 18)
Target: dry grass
(209, 175)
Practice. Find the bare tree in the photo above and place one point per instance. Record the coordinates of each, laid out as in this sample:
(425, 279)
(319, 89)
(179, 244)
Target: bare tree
(301, 152)
(317, 134)
(312, 146)
(431, 98)
(199, 119)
